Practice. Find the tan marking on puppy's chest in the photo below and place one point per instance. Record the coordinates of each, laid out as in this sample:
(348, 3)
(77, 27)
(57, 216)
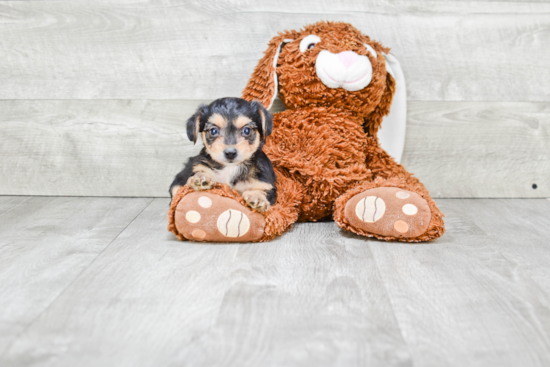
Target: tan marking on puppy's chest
(224, 175)
(227, 174)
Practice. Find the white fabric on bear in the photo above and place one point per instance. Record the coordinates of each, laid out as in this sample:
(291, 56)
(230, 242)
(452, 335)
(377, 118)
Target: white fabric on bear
(275, 79)
(308, 40)
(371, 50)
(346, 70)
(392, 131)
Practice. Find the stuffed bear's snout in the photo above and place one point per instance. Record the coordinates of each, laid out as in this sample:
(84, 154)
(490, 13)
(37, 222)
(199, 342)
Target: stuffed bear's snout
(347, 70)
(348, 58)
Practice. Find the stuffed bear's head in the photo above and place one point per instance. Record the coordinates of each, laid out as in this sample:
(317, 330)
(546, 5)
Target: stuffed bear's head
(324, 64)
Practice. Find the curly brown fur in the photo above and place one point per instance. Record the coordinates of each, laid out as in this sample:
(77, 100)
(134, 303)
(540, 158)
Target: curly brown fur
(298, 85)
(324, 147)
(326, 139)
(339, 136)
(278, 217)
(435, 228)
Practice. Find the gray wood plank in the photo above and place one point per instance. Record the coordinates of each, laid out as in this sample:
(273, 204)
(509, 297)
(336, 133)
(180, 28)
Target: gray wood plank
(524, 235)
(135, 147)
(475, 149)
(9, 205)
(479, 296)
(93, 148)
(310, 298)
(452, 50)
(45, 243)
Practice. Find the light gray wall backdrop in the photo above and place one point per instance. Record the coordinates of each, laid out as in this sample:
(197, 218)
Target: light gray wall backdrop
(94, 94)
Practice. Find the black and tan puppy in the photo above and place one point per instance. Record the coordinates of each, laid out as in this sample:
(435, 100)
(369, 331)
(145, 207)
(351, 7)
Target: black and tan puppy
(233, 131)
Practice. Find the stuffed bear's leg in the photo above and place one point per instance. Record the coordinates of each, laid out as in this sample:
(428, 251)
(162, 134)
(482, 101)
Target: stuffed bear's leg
(390, 210)
(394, 206)
(221, 214)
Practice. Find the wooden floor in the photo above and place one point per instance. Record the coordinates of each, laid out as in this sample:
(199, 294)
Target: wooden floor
(100, 282)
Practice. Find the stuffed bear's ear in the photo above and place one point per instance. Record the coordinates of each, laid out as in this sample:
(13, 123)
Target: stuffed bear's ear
(267, 119)
(393, 126)
(194, 122)
(262, 85)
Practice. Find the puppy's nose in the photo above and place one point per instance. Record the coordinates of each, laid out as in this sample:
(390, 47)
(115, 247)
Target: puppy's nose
(230, 153)
(348, 58)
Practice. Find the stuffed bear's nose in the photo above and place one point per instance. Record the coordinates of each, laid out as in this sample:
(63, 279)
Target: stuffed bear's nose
(348, 58)
(230, 153)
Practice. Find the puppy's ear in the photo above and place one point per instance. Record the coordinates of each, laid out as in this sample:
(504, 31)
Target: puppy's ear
(266, 118)
(262, 85)
(194, 124)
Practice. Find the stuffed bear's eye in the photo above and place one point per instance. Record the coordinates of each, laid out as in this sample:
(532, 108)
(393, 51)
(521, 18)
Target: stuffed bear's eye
(213, 131)
(246, 131)
(309, 42)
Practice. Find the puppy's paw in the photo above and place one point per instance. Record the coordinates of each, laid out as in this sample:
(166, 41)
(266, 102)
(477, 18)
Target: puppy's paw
(257, 200)
(200, 181)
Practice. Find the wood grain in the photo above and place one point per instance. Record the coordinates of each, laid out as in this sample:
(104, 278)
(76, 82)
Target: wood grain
(451, 51)
(312, 297)
(136, 147)
(475, 149)
(45, 244)
(479, 296)
(94, 148)
(317, 296)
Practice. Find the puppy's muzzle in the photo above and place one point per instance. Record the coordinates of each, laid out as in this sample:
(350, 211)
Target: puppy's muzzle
(230, 153)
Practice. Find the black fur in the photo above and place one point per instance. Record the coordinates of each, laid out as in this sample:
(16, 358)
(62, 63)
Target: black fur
(258, 166)
(231, 108)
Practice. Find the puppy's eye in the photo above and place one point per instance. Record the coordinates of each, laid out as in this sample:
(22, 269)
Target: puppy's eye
(309, 42)
(213, 131)
(246, 131)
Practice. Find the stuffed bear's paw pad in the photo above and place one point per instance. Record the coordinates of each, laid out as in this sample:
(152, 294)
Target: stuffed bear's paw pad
(233, 223)
(202, 216)
(370, 209)
(389, 211)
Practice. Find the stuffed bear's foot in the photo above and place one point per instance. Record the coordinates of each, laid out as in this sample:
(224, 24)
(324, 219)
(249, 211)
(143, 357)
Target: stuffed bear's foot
(388, 213)
(202, 216)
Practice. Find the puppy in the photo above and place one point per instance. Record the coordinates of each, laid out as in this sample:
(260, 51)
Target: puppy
(233, 131)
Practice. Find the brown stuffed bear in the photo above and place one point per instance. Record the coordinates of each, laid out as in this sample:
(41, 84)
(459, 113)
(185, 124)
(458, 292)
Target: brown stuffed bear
(324, 148)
